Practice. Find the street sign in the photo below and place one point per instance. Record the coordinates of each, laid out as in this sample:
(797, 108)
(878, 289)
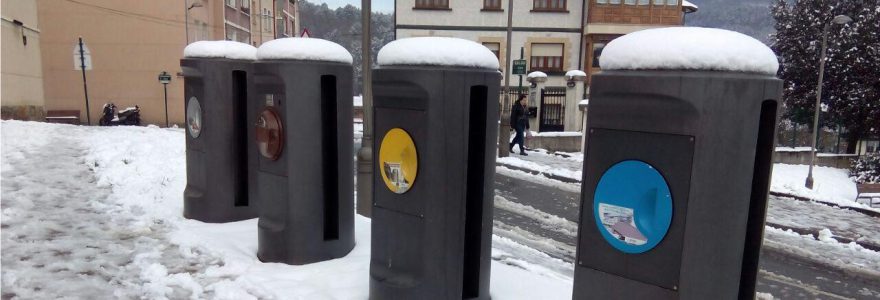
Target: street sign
(164, 77)
(77, 61)
(519, 67)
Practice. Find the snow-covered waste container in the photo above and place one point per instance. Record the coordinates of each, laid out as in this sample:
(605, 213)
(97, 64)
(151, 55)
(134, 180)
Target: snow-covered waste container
(676, 172)
(303, 135)
(436, 127)
(216, 78)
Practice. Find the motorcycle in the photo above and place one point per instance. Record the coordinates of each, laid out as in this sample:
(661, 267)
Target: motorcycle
(128, 116)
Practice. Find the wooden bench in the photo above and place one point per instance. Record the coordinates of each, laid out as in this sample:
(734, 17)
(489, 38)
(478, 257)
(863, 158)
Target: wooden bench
(869, 194)
(63, 116)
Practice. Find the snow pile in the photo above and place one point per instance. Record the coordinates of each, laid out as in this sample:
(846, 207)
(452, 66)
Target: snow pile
(220, 49)
(557, 133)
(304, 49)
(437, 51)
(830, 184)
(536, 74)
(573, 73)
(689, 48)
(145, 249)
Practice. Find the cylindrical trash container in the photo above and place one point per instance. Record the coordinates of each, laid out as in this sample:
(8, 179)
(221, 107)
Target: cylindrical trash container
(216, 75)
(436, 127)
(303, 130)
(677, 167)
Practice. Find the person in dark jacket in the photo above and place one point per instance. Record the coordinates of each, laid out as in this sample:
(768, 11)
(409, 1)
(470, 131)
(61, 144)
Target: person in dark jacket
(519, 120)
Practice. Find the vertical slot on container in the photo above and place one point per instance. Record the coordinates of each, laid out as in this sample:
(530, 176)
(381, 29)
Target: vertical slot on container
(329, 153)
(476, 158)
(240, 127)
(758, 200)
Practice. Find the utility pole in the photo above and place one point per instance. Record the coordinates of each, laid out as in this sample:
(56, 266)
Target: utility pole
(504, 128)
(841, 19)
(365, 154)
(82, 66)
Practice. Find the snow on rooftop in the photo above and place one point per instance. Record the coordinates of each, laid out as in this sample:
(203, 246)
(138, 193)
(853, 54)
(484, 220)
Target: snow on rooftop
(304, 49)
(688, 48)
(220, 49)
(537, 74)
(689, 5)
(573, 73)
(437, 51)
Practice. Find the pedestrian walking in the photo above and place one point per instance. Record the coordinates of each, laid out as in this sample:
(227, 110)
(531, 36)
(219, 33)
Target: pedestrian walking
(519, 120)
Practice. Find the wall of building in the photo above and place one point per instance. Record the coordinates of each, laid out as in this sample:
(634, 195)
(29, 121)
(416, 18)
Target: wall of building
(22, 94)
(131, 42)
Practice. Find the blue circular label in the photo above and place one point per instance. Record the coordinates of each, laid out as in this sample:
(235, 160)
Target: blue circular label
(632, 206)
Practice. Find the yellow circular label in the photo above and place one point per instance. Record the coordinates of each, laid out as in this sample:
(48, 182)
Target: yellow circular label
(398, 160)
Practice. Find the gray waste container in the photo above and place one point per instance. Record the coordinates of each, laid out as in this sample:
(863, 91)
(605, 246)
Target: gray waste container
(675, 182)
(434, 160)
(303, 132)
(216, 96)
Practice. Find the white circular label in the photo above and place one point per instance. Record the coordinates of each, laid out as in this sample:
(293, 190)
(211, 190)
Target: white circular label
(194, 117)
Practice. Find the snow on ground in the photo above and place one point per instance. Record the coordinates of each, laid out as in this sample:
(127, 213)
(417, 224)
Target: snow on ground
(437, 51)
(825, 250)
(100, 209)
(830, 184)
(689, 48)
(816, 216)
(298, 48)
(220, 49)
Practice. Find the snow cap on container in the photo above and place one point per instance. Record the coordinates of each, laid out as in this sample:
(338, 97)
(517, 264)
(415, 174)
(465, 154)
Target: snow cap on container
(304, 49)
(437, 51)
(688, 48)
(536, 74)
(573, 73)
(220, 49)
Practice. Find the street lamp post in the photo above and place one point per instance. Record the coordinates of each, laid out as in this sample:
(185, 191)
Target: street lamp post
(186, 17)
(504, 126)
(841, 19)
(365, 153)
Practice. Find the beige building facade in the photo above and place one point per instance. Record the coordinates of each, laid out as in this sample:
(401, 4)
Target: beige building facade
(21, 93)
(132, 42)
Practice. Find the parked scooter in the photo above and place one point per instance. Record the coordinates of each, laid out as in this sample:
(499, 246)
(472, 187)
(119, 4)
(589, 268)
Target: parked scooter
(128, 116)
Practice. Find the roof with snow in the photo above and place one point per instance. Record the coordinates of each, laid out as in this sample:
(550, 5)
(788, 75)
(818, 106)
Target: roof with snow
(437, 51)
(689, 48)
(220, 49)
(304, 49)
(688, 7)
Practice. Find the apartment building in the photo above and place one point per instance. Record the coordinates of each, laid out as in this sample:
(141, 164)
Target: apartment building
(22, 75)
(548, 33)
(131, 42)
(552, 36)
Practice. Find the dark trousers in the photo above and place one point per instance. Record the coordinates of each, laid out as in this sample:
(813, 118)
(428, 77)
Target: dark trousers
(520, 139)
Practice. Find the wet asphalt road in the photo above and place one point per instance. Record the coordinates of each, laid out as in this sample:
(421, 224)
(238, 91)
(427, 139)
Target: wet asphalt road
(783, 276)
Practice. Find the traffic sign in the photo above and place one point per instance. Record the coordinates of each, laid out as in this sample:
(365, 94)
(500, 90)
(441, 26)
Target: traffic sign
(164, 77)
(519, 67)
(77, 57)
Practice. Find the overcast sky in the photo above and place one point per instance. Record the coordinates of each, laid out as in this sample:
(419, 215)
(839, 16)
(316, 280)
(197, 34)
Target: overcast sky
(377, 5)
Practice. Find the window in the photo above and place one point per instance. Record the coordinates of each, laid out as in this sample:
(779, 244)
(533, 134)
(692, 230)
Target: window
(629, 2)
(491, 4)
(602, 1)
(644, 2)
(432, 4)
(597, 52)
(245, 4)
(671, 2)
(614, 1)
(495, 48)
(549, 5)
(230, 3)
(547, 57)
(658, 2)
